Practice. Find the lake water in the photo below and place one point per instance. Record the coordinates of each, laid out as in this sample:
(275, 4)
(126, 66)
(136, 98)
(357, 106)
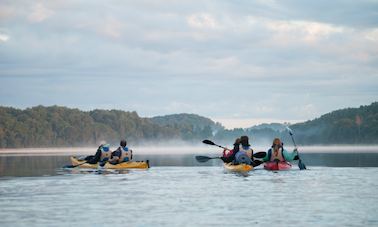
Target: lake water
(177, 191)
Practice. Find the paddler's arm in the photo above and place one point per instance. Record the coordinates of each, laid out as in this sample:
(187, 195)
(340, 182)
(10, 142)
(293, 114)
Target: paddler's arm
(96, 157)
(116, 155)
(289, 156)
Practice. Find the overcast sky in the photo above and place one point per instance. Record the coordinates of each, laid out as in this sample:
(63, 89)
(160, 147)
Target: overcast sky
(237, 62)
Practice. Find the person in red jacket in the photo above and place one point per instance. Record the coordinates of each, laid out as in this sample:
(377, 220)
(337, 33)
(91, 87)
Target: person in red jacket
(229, 155)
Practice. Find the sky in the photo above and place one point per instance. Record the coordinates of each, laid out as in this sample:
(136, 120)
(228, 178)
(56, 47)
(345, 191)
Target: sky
(237, 62)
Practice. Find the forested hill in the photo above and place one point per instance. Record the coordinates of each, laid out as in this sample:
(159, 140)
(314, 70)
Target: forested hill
(346, 126)
(187, 120)
(60, 126)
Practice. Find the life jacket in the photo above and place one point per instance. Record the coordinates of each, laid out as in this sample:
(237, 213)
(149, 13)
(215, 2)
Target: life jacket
(105, 153)
(228, 153)
(276, 157)
(248, 150)
(126, 154)
(242, 157)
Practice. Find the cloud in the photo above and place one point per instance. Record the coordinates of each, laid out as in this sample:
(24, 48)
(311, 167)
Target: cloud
(251, 59)
(4, 38)
(111, 27)
(39, 13)
(202, 21)
(291, 31)
(6, 11)
(305, 30)
(372, 35)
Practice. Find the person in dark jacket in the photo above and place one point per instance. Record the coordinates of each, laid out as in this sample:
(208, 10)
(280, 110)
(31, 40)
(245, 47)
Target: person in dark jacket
(102, 155)
(122, 154)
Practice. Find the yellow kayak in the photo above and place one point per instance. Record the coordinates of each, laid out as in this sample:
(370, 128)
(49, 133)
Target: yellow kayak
(241, 168)
(123, 165)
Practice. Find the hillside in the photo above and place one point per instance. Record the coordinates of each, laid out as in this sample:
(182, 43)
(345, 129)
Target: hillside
(57, 126)
(345, 126)
(187, 120)
(273, 126)
(61, 126)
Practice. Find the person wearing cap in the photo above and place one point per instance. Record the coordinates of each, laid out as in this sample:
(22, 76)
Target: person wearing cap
(122, 154)
(277, 153)
(102, 155)
(244, 153)
(246, 147)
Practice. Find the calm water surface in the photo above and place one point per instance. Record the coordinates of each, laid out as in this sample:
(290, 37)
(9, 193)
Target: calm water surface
(185, 195)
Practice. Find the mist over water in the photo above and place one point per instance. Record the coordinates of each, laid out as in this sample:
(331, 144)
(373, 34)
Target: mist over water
(40, 162)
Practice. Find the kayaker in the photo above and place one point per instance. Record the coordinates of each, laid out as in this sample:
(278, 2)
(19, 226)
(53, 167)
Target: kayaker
(102, 155)
(122, 154)
(246, 147)
(245, 152)
(229, 155)
(277, 153)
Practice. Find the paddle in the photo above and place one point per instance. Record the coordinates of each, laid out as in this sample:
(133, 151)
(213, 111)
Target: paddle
(73, 166)
(301, 165)
(212, 143)
(201, 158)
(257, 162)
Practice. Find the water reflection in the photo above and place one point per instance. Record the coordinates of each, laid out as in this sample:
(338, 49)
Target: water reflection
(341, 159)
(52, 165)
(91, 171)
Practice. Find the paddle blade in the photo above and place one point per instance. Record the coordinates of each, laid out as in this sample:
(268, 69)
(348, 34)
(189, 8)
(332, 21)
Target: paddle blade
(208, 142)
(301, 165)
(290, 131)
(256, 163)
(202, 158)
(73, 166)
(260, 154)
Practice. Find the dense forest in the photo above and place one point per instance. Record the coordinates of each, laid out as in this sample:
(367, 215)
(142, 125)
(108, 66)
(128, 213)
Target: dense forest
(60, 127)
(346, 126)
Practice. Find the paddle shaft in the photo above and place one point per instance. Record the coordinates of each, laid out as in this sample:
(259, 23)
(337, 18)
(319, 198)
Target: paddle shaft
(301, 165)
(222, 147)
(292, 138)
(73, 166)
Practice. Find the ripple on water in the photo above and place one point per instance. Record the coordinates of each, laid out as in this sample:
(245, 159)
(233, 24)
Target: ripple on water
(193, 196)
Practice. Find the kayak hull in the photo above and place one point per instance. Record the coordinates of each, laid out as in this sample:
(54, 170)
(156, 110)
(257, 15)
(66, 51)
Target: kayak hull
(241, 168)
(123, 165)
(277, 166)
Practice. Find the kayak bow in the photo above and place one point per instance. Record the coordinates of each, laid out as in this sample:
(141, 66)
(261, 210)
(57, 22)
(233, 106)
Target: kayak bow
(277, 166)
(240, 168)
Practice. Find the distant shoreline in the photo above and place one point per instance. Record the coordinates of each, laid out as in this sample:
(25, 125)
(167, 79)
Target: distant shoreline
(178, 150)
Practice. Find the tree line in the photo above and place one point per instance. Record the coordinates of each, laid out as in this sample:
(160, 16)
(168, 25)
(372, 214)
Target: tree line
(57, 126)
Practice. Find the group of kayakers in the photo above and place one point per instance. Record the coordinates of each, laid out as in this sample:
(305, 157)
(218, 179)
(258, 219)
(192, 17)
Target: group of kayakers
(104, 154)
(243, 153)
